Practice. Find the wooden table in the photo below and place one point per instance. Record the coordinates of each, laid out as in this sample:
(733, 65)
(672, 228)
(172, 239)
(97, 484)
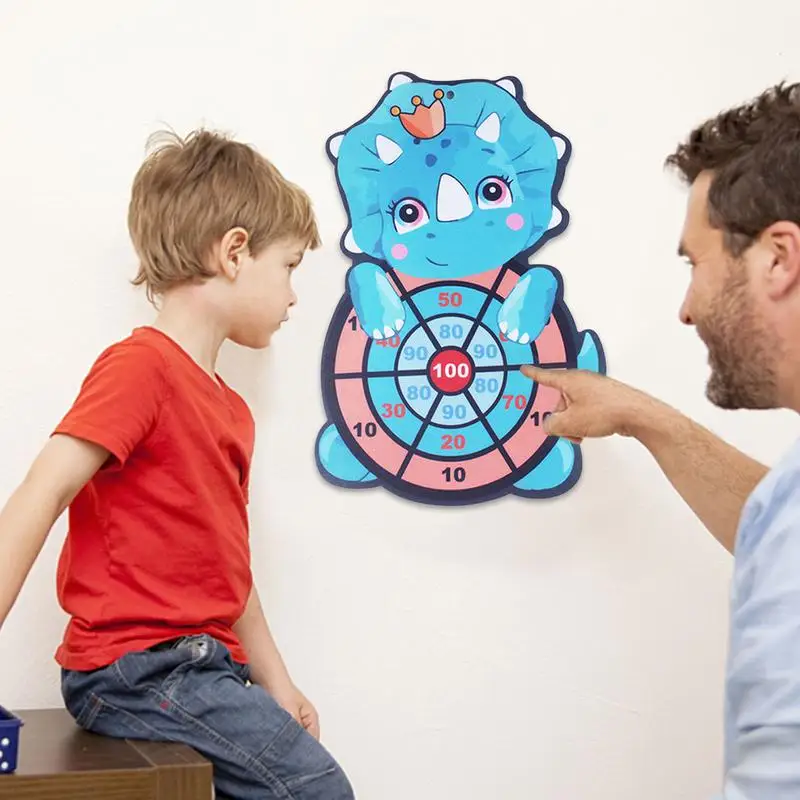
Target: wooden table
(59, 761)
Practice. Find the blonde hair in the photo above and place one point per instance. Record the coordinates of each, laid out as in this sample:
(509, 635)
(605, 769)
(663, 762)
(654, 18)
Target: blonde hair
(190, 191)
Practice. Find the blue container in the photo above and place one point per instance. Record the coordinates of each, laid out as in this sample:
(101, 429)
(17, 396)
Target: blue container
(9, 741)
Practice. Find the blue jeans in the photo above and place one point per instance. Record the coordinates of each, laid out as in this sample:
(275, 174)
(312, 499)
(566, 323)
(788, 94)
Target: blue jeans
(191, 691)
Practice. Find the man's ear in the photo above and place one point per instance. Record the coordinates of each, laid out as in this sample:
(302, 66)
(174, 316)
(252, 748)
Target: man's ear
(781, 243)
(230, 251)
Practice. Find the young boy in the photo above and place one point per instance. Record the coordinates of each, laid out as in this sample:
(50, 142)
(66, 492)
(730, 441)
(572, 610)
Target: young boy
(167, 639)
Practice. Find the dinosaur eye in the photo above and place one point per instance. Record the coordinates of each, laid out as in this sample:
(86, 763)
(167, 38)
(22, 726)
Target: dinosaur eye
(494, 192)
(408, 215)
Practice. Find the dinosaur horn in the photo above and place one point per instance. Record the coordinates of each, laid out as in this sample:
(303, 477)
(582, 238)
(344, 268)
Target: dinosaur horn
(452, 200)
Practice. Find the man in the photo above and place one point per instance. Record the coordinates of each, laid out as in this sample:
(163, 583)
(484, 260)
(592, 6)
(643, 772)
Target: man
(741, 237)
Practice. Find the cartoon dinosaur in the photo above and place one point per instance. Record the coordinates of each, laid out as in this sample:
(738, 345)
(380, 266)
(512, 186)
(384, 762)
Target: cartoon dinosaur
(445, 181)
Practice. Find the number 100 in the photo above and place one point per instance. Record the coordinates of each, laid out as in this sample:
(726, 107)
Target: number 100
(451, 370)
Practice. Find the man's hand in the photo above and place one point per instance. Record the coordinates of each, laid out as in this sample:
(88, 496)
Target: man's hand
(289, 697)
(712, 477)
(591, 405)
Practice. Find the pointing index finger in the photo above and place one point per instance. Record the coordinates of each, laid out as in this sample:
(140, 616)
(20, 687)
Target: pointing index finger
(547, 377)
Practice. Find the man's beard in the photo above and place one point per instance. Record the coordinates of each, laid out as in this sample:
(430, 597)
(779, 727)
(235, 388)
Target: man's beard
(741, 353)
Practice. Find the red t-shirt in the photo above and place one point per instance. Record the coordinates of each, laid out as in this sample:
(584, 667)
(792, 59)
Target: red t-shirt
(158, 542)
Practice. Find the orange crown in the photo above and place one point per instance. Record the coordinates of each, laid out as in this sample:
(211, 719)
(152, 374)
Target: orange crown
(424, 122)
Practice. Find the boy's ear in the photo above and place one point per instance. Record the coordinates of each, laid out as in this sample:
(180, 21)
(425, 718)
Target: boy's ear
(230, 251)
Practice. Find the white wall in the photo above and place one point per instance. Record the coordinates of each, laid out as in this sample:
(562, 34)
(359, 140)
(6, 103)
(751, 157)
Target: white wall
(567, 649)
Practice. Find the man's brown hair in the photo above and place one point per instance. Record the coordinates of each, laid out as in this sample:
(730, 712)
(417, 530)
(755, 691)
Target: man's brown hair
(190, 191)
(753, 154)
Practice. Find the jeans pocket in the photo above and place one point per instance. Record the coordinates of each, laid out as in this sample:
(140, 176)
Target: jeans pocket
(81, 693)
(85, 709)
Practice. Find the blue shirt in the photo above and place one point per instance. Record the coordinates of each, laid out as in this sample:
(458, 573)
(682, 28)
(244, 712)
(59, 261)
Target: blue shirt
(762, 692)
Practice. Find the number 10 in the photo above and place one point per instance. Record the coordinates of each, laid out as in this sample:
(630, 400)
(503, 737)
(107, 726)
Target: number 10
(459, 474)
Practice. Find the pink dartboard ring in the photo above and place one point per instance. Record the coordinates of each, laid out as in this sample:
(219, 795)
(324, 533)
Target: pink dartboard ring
(441, 413)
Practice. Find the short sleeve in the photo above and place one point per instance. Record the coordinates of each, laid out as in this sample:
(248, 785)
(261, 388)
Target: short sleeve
(119, 400)
(764, 669)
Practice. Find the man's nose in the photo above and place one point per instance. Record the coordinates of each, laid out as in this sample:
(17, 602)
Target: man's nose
(684, 313)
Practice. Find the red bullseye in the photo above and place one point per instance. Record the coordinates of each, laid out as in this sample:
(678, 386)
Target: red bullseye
(451, 371)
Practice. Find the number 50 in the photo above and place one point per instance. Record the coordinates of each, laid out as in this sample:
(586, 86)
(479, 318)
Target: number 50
(450, 299)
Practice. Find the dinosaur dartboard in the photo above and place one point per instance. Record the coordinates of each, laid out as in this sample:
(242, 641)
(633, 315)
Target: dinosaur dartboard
(449, 188)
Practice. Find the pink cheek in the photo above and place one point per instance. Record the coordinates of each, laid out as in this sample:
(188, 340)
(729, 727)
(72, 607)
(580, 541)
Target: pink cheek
(399, 252)
(515, 221)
